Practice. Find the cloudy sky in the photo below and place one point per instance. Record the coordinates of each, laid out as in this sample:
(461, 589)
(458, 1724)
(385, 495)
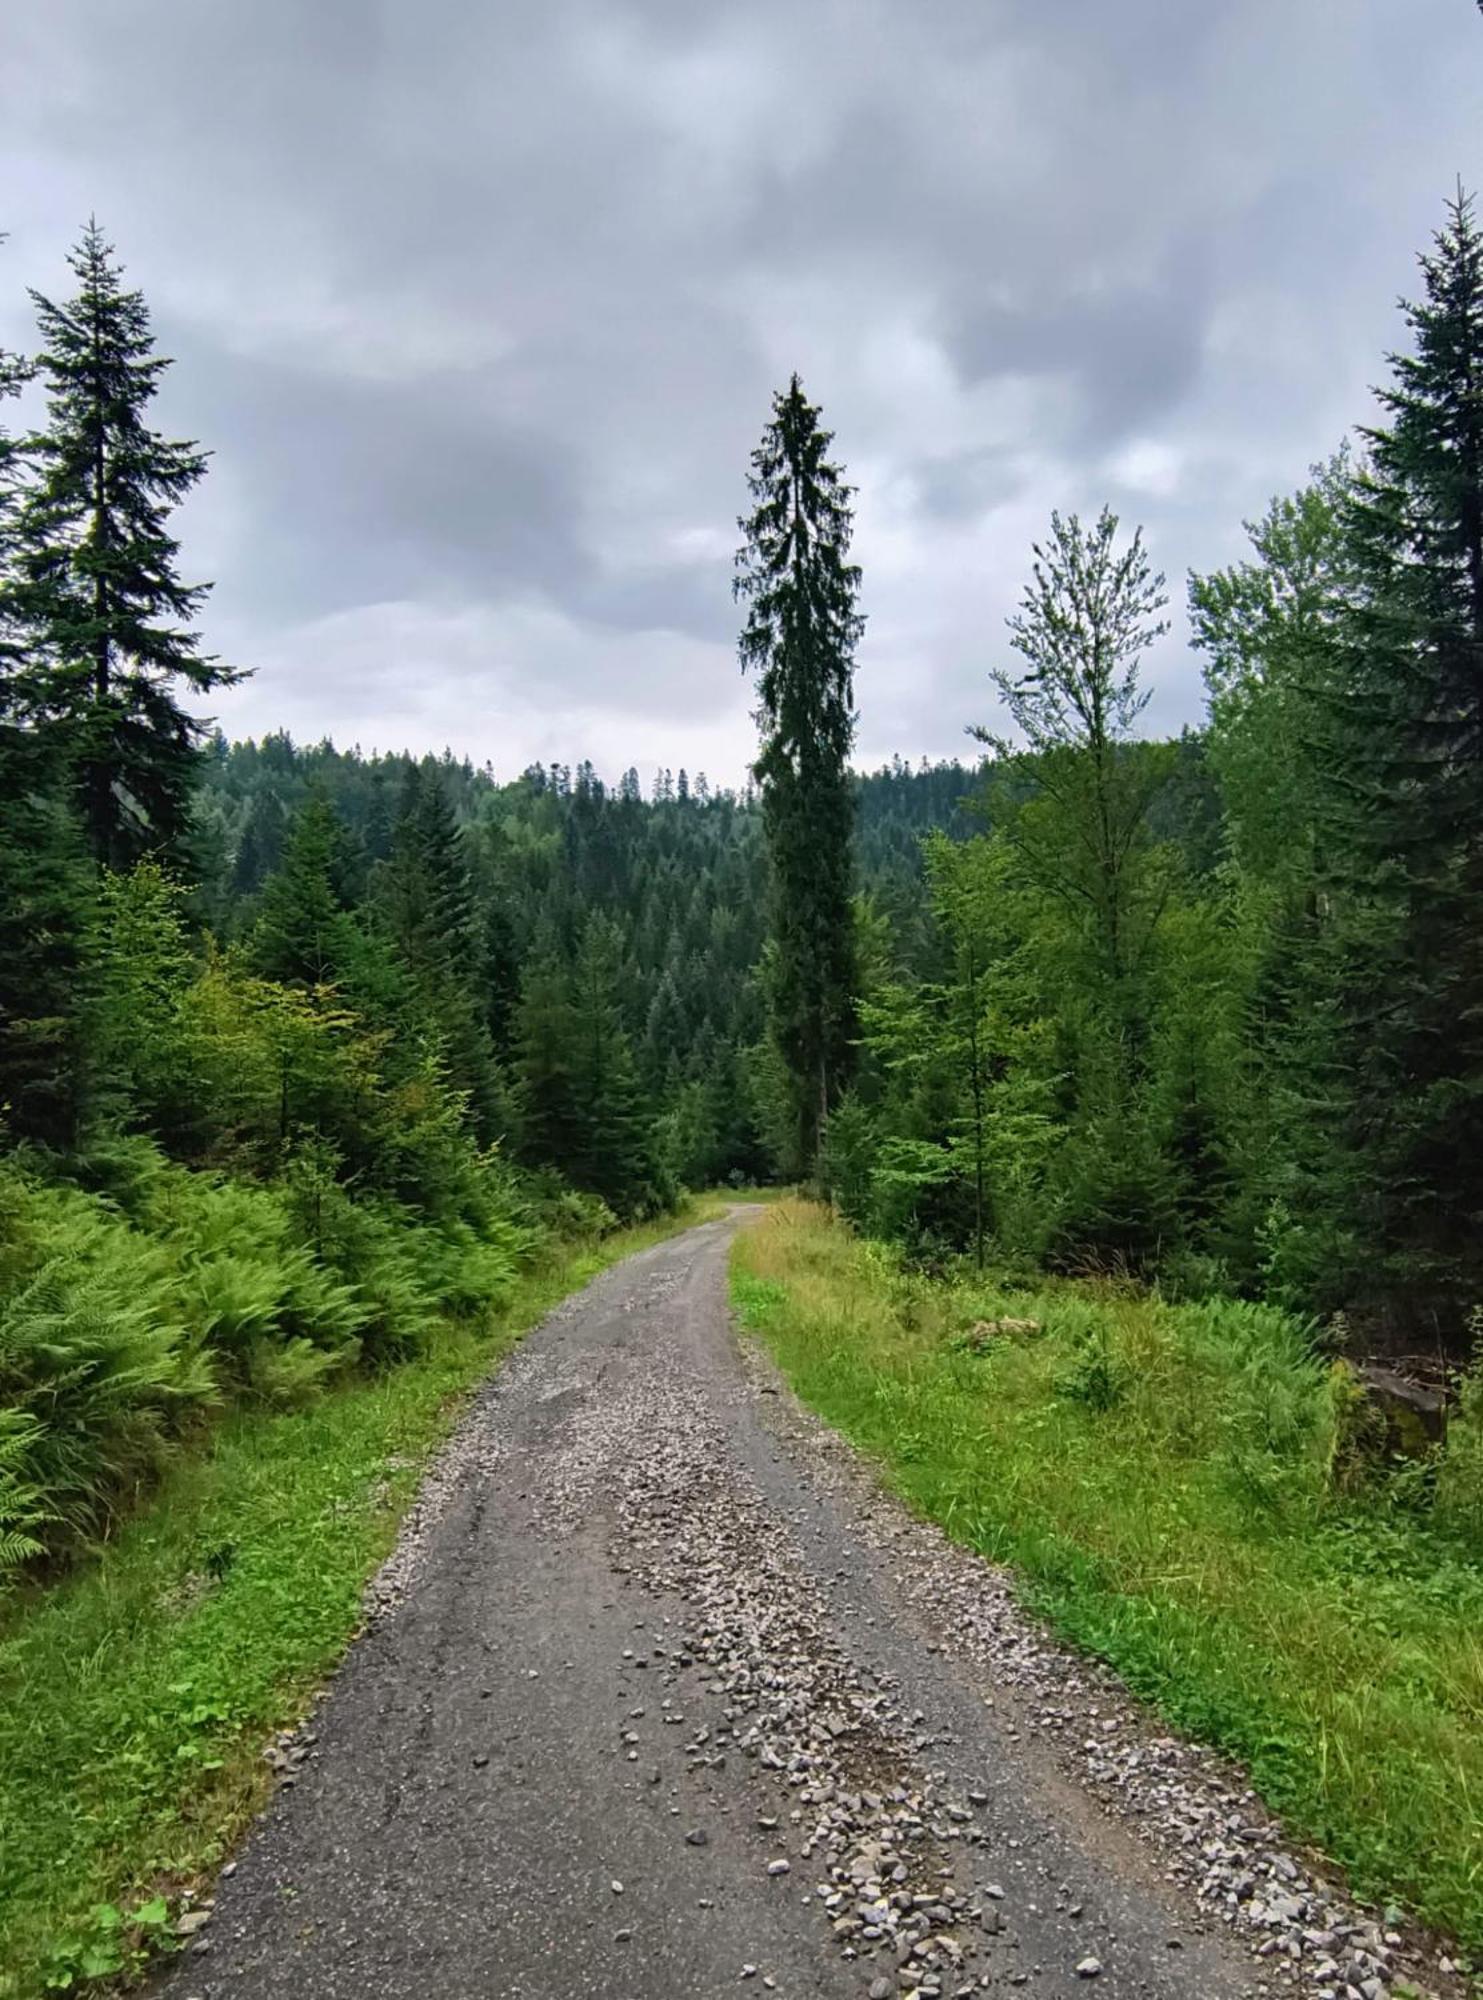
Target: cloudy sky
(479, 305)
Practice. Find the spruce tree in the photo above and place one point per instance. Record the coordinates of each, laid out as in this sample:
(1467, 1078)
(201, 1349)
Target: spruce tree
(1402, 811)
(46, 903)
(426, 884)
(45, 883)
(428, 906)
(546, 1058)
(801, 590)
(305, 934)
(95, 583)
(616, 1153)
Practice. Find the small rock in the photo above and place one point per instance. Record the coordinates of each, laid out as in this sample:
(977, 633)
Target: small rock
(697, 1837)
(1089, 1968)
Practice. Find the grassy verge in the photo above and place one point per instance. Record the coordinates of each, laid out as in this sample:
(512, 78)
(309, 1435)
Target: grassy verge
(1173, 1486)
(135, 1695)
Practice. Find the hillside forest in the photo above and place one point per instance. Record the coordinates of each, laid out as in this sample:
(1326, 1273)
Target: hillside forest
(304, 1051)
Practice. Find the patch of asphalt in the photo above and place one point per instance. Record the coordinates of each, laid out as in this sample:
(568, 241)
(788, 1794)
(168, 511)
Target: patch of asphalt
(660, 1695)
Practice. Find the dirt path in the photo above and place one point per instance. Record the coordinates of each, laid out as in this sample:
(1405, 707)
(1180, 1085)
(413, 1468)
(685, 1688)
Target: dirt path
(658, 1701)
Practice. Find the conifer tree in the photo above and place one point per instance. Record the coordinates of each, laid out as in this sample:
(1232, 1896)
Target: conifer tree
(794, 574)
(95, 581)
(546, 1057)
(428, 905)
(305, 934)
(46, 901)
(45, 890)
(426, 884)
(616, 1153)
(1402, 821)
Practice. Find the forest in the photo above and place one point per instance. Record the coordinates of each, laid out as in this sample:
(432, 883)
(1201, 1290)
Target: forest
(304, 1052)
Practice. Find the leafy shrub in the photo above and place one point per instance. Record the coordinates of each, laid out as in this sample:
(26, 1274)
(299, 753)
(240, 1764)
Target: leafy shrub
(566, 1212)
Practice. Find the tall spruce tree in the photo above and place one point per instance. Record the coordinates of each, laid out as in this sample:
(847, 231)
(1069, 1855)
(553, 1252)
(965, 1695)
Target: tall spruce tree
(1402, 745)
(95, 582)
(45, 884)
(803, 625)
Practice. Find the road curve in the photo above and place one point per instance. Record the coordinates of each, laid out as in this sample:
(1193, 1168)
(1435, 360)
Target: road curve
(647, 1714)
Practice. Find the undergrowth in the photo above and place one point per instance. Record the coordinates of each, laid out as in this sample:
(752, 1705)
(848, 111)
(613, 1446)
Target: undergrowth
(1189, 1492)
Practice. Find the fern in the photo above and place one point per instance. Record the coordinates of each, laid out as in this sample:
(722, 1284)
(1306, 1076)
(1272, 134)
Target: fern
(22, 1511)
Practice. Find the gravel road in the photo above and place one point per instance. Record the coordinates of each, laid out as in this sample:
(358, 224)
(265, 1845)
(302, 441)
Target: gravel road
(660, 1696)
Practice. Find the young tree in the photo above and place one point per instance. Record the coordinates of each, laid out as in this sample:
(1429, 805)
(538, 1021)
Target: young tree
(1267, 628)
(425, 888)
(581, 1108)
(801, 590)
(305, 934)
(95, 582)
(1087, 618)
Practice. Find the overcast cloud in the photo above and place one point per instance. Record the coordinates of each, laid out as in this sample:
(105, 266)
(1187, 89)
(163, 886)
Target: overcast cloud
(480, 303)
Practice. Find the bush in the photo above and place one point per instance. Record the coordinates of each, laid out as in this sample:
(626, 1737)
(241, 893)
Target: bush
(93, 1351)
(138, 1303)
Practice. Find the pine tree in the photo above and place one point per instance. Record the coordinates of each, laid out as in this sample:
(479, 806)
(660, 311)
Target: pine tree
(305, 934)
(802, 628)
(551, 1120)
(616, 1152)
(428, 906)
(45, 884)
(46, 900)
(426, 889)
(1402, 819)
(95, 580)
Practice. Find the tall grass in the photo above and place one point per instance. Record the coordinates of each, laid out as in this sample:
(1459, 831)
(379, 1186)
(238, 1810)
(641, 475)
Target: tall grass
(1186, 1491)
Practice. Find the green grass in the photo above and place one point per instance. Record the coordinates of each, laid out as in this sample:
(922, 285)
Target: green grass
(1181, 1492)
(137, 1693)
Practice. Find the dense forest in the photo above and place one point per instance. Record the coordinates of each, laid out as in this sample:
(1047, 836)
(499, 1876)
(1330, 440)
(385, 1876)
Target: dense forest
(302, 1050)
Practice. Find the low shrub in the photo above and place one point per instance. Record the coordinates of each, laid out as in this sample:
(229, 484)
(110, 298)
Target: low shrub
(142, 1296)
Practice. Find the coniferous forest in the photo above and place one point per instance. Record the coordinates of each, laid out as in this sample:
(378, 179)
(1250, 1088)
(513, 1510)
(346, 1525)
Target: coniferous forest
(303, 1052)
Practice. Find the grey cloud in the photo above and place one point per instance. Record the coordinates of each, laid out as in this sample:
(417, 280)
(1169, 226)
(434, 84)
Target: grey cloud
(480, 306)
(366, 491)
(1133, 349)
